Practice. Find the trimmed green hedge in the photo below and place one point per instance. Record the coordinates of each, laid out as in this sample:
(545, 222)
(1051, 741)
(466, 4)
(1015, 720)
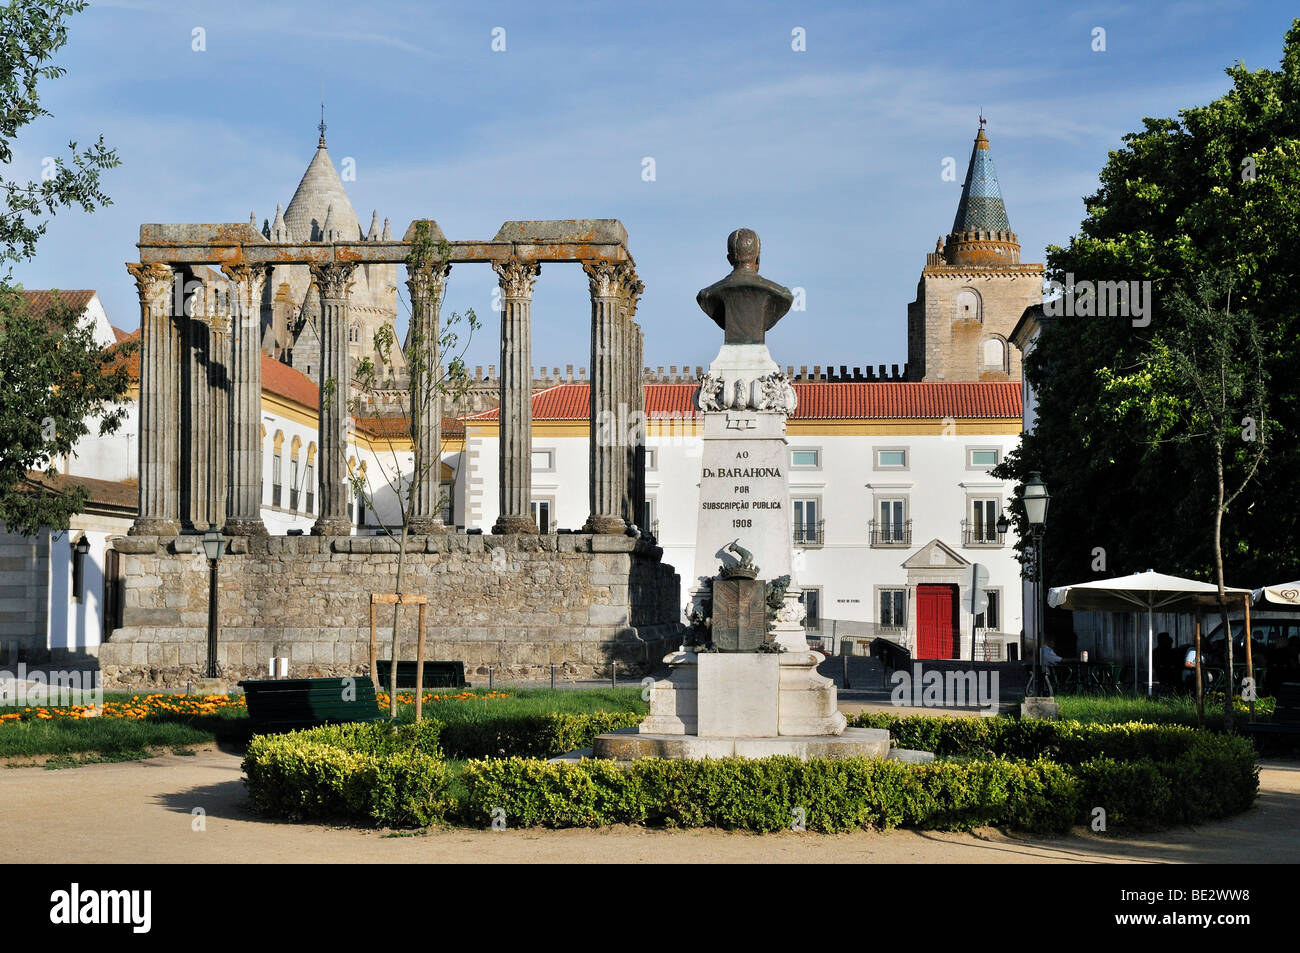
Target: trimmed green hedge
(1025, 775)
(763, 794)
(531, 736)
(381, 774)
(1034, 776)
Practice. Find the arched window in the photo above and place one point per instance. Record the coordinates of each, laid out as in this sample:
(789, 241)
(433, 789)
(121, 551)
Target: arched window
(969, 307)
(995, 353)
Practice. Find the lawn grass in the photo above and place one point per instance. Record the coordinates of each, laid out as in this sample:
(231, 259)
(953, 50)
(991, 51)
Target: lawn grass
(1162, 710)
(72, 741)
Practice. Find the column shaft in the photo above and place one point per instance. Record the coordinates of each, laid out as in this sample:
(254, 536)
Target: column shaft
(606, 461)
(218, 307)
(334, 279)
(516, 424)
(244, 498)
(639, 428)
(159, 404)
(425, 282)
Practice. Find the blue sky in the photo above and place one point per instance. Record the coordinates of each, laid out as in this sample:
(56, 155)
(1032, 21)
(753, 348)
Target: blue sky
(834, 155)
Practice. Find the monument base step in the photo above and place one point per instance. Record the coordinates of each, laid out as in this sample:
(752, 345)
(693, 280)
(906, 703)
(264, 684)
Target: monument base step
(629, 745)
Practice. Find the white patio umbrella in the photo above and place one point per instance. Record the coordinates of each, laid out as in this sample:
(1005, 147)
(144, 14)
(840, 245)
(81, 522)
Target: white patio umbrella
(1286, 595)
(1148, 590)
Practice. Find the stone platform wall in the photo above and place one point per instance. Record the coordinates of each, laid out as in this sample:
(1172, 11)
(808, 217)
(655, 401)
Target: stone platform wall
(520, 603)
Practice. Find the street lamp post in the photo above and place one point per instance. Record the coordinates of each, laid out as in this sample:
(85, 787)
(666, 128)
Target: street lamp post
(1036, 498)
(214, 546)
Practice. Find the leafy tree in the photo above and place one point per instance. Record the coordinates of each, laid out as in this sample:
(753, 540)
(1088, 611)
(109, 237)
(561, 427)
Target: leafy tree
(1202, 387)
(1214, 192)
(54, 377)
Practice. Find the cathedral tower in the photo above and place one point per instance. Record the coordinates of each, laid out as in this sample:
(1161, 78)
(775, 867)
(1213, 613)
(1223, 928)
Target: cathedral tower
(320, 211)
(973, 288)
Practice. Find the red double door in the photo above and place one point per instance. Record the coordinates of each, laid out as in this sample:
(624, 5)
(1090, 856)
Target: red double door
(937, 628)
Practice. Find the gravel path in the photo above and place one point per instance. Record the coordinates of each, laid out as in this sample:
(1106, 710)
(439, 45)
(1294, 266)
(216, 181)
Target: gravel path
(141, 812)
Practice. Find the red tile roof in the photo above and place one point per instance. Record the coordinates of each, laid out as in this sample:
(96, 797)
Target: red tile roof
(40, 301)
(849, 400)
(115, 496)
(284, 381)
(401, 426)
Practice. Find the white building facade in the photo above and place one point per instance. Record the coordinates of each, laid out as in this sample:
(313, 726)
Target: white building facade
(891, 501)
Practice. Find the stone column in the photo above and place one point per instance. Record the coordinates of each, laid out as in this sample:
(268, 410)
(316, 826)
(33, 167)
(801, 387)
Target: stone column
(197, 420)
(425, 282)
(333, 280)
(244, 494)
(516, 425)
(159, 440)
(606, 463)
(218, 309)
(633, 426)
(639, 430)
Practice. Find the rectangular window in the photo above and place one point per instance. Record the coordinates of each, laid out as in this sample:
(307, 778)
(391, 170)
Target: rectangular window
(275, 480)
(361, 510)
(293, 484)
(984, 521)
(448, 491)
(988, 619)
(651, 458)
(895, 459)
(892, 527)
(807, 522)
(812, 604)
(542, 515)
(982, 458)
(892, 605)
(805, 459)
(649, 522)
(311, 488)
(543, 460)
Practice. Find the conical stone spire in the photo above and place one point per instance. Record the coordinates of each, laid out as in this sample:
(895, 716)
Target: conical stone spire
(279, 230)
(373, 234)
(329, 230)
(981, 233)
(320, 189)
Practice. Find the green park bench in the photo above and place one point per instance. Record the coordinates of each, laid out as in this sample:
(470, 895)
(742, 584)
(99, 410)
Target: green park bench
(436, 674)
(285, 704)
(1286, 716)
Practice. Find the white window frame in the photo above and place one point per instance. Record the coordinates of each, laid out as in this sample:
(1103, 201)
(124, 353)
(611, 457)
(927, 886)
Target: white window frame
(901, 626)
(982, 467)
(550, 458)
(905, 451)
(816, 465)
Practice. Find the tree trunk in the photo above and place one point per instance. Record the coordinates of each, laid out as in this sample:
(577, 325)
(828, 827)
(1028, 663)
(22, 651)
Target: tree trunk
(1223, 597)
(397, 608)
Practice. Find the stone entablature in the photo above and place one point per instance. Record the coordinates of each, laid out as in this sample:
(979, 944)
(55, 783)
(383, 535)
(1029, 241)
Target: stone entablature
(518, 602)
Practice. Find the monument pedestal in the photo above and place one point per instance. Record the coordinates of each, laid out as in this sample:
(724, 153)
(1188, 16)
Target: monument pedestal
(744, 695)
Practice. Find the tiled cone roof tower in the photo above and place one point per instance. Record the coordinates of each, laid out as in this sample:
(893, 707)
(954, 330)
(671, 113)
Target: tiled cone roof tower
(320, 196)
(981, 233)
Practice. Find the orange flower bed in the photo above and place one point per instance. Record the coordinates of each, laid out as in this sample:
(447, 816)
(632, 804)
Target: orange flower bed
(408, 698)
(137, 707)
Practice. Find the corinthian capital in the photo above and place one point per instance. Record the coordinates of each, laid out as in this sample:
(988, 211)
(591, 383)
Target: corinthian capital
(611, 279)
(424, 280)
(517, 277)
(153, 281)
(333, 278)
(250, 278)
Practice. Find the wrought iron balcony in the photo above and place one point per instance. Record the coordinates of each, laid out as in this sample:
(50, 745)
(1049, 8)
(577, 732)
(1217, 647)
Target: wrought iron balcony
(981, 534)
(890, 532)
(809, 534)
